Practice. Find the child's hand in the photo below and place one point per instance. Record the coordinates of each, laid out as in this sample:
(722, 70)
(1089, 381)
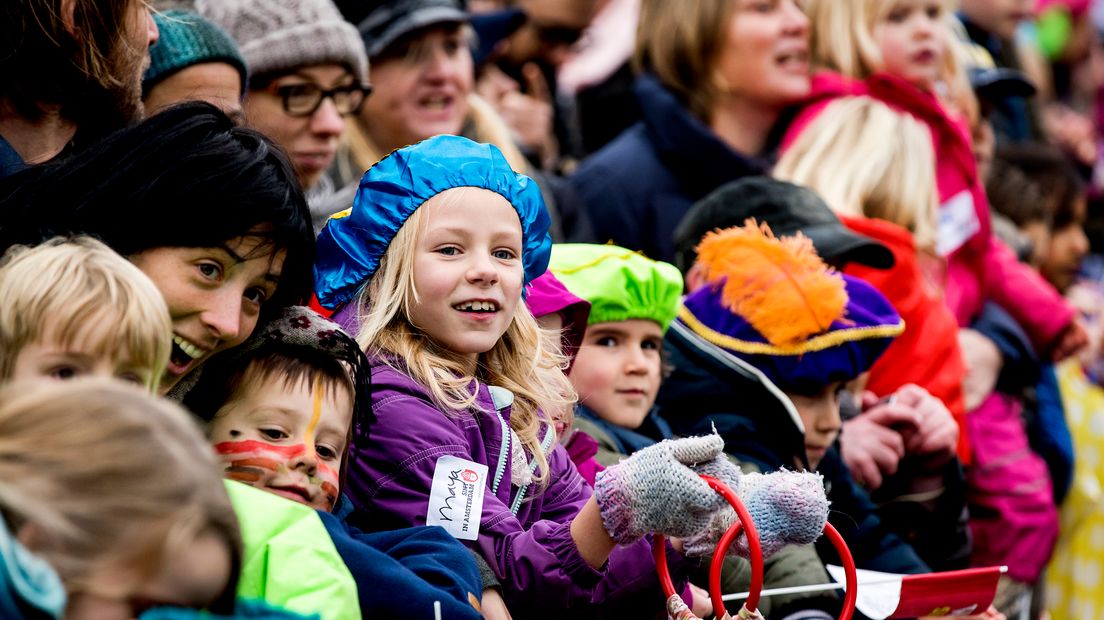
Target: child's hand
(492, 605)
(872, 444)
(655, 490)
(936, 434)
(787, 507)
(1072, 340)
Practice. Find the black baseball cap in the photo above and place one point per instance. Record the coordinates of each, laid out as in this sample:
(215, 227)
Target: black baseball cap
(382, 23)
(787, 209)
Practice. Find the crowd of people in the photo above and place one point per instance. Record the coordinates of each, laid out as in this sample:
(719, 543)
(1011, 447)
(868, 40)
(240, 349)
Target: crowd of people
(443, 308)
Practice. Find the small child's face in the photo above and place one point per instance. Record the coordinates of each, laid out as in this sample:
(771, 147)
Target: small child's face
(617, 371)
(998, 17)
(286, 439)
(820, 413)
(912, 38)
(48, 358)
(467, 270)
(193, 578)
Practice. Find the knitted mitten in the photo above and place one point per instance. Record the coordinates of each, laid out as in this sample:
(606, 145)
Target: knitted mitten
(655, 490)
(723, 469)
(786, 507)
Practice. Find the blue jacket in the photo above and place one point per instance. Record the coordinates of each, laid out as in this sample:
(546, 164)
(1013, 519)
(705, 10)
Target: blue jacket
(402, 572)
(637, 188)
(760, 425)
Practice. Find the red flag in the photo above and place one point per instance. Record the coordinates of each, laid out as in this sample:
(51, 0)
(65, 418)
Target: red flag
(952, 593)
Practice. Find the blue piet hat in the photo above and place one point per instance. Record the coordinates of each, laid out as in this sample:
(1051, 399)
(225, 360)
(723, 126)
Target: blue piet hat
(776, 305)
(353, 241)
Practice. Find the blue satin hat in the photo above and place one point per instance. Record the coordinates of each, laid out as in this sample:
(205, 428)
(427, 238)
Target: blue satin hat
(353, 241)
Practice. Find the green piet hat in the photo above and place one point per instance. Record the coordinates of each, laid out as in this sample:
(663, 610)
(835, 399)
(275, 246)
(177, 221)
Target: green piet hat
(619, 284)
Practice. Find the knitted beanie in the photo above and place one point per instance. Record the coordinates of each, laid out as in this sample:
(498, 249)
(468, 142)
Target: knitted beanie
(187, 39)
(283, 35)
(619, 284)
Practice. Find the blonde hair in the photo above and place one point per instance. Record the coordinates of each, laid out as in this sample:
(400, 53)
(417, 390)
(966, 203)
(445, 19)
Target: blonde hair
(680, 41)
(108, 475)
(842, 40)
(525, 360)
(66, 285)
(866, 159)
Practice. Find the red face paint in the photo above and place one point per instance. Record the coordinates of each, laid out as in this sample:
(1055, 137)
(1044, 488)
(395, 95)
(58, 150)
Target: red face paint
(289, 471)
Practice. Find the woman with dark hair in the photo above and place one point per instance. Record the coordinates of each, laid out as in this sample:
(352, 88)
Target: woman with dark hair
(211, 212)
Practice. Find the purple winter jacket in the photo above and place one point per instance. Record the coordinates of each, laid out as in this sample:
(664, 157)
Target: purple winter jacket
(532, 553)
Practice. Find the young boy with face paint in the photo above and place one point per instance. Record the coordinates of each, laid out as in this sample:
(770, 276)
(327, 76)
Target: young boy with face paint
(283, 409)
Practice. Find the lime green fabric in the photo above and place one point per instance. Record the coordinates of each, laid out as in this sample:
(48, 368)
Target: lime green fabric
(1053, 30)
(289, 558)
(619, 284)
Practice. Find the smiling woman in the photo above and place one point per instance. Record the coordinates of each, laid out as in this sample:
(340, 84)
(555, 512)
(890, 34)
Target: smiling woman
(211, 212)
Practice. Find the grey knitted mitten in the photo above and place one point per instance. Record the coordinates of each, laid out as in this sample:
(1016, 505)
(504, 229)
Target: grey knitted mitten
(655, 490)
(787, 508)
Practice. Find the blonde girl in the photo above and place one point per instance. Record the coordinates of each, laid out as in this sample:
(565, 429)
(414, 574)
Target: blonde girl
(869, 176)
(118, 493)
(900, 52)
(428, 269)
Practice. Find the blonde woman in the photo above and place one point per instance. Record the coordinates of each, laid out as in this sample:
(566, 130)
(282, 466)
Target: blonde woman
(717, 75)
(117, 492)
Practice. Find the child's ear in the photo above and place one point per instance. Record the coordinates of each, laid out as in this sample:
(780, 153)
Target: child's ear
(695, 278)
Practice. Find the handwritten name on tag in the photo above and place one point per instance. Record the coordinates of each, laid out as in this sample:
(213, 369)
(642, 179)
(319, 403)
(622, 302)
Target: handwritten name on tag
(456, 496)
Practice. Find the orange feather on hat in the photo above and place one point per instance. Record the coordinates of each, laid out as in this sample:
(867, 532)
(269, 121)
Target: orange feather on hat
(780, 286)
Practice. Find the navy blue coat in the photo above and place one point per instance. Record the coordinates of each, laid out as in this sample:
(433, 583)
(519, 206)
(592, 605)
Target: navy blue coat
(637, 188)
(760, 425)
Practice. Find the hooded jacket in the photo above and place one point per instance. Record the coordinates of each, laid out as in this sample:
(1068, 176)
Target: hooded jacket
(530, 549)
(760, 425)
(927, 352)
(979, 266)
(637, 188)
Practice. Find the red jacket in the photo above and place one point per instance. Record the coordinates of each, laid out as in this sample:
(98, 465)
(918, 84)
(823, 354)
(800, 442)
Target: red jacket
(979, 266)
(927, 353)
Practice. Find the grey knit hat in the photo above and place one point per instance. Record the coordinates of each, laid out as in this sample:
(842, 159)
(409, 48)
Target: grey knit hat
(283, 35)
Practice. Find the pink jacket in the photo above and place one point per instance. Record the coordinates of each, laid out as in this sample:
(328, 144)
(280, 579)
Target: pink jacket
(979, 266)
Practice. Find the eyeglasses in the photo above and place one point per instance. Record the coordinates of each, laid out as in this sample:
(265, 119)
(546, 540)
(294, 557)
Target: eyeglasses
(305, 99)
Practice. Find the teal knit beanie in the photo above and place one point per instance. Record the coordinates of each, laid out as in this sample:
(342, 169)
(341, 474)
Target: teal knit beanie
(187, 39)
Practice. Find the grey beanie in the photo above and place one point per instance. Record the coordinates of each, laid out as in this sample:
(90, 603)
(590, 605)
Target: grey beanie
(284, 35)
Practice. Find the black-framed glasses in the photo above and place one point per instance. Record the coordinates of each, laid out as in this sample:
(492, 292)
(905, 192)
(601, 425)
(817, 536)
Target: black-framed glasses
(305, 99)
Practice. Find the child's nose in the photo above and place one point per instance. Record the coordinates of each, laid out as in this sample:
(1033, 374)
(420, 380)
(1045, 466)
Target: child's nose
(482, 269)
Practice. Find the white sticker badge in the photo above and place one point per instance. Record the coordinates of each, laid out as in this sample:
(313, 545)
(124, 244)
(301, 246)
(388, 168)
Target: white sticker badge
(456, 497)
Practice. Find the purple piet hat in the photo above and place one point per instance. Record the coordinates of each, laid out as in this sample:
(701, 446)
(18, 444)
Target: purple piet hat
(775, 304)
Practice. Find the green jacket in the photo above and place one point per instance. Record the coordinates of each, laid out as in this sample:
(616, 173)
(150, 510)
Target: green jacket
(289, 558)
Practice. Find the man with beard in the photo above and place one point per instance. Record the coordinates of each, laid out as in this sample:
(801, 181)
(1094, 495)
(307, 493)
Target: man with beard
(70, 72)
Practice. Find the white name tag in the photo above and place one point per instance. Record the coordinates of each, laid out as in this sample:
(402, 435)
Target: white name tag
(958, 221)
(456, 497)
